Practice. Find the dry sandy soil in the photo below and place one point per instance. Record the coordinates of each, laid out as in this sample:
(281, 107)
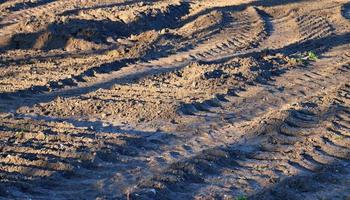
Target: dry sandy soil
(175, 99)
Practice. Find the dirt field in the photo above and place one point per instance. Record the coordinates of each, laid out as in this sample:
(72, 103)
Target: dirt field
(175, 99)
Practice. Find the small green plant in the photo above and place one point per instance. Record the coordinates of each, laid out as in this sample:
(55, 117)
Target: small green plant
(339, 137)
(305, 57)
(19, 134)
(312, 56)
(243, 197)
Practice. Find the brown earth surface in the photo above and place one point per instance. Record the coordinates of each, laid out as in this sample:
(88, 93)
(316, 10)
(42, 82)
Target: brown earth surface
(175, 99)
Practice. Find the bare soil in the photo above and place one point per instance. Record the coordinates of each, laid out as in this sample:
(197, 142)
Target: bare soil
(175, 99)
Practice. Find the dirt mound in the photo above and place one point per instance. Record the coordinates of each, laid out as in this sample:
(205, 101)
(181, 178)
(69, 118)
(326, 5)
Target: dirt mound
(91, 31)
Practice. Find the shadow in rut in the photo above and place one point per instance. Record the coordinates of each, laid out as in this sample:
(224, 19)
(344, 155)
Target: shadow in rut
(97, 126)
(53, 85)
(29, 4)
(35, 94)
(57, 35)
(50, 56)
(302, 186)
(271, 3)
(76, 11)
(346, 11)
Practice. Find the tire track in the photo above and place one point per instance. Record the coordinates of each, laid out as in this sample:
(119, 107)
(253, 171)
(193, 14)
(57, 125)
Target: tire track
(239, 32)
(314, 27)
(290, 147)
(237, 41)
(22, 15)
(17, 17)
(48, 158)
(214, 52)
(235, 102)
(234, 36)
(242, 117)
(298, 123)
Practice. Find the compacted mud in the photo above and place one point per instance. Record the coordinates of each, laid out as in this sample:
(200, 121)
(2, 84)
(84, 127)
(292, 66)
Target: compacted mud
(172, 99)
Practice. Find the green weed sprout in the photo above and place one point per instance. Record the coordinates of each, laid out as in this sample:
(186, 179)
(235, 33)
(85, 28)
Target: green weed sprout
(242, 198)
(312, 56)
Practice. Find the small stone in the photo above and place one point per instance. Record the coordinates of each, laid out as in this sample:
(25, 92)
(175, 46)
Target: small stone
(41, 136)
(104, 124)
(153, 191)
(133, 37)
(6, 115)
(164, 31)
(124, 41)
(110, 40)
